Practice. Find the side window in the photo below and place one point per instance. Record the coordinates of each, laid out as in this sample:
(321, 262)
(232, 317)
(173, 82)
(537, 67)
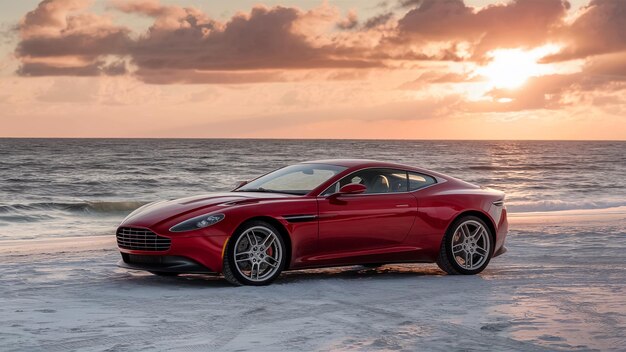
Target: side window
(397, 181)
(376, 181)
(417, 181)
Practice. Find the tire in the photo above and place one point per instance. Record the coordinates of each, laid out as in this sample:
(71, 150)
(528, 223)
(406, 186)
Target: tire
(259, 245)
(163, 273)
(472, 253)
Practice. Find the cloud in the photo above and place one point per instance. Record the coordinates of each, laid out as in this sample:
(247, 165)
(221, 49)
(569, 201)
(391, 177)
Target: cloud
(543, 92)
(513, 24)
(602, 75)
(379, 20)
(609, 67)
(181, 42)
(49, 17)
(263, 39)
(183, 45)
(181, 76)
(59, 39)
(165, 17)
(150, 8)
(600, 29)
(429, 78)
(351, 21)
(84, 45)
(93, 69)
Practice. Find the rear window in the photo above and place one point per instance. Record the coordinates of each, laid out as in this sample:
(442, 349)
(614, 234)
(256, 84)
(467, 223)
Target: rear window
(417, 181)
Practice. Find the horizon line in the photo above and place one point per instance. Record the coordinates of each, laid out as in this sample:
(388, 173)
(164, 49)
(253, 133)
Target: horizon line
(331, 139)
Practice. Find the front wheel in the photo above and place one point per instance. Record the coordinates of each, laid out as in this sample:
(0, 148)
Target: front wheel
(255, 255)
(466, 247)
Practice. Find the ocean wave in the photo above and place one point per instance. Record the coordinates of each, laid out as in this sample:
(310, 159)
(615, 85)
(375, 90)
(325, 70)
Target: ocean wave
(523, 167)
(127, 206)
(558, 205)
(78, 207)
(98, 207)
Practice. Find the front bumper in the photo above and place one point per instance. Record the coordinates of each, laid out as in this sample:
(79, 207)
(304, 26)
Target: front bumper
(205, 251)
(162, 263)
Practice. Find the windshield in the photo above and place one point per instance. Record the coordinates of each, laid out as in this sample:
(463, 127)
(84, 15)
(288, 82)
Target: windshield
(295, 179)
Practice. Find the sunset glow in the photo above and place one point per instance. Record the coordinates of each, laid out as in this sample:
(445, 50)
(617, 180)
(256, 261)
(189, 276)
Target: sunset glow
(510, 68)
(519, 69)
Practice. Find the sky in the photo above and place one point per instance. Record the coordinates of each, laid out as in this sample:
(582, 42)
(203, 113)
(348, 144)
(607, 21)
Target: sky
(372, 69)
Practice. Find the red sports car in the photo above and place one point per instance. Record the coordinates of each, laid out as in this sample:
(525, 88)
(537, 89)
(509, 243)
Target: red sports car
(319, 214)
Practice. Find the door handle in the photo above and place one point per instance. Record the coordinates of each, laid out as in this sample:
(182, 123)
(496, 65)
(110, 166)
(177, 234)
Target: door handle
(402, 205)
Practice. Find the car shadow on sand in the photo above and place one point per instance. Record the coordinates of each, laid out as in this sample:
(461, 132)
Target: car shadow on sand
(360, 272)
(355, 272)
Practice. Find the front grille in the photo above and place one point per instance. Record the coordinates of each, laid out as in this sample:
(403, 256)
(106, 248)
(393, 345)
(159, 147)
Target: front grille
(141, 239)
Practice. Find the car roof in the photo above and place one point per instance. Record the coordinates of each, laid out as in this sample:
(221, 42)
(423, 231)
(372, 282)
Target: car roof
(363, 163)
(351, 162)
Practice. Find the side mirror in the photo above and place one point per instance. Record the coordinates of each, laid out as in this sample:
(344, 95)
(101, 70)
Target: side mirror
(352, 188)
(240, 184)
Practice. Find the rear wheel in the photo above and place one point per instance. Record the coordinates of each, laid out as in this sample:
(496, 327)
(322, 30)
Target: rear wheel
(255, 255)
(466, 248)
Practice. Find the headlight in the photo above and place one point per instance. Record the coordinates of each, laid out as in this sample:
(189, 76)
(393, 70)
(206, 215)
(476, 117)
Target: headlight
(198, 222)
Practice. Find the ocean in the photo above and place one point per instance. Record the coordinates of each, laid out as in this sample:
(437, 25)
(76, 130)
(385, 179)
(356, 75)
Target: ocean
(82, 187)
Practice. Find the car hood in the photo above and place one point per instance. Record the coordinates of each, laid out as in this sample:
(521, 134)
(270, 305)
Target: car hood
(161, 211)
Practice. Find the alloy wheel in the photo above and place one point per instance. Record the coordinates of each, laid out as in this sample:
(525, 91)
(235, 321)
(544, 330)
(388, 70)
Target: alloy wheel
(470, 245)
(258, 253)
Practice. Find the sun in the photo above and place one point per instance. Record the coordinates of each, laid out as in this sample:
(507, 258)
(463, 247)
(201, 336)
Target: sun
(511, 68)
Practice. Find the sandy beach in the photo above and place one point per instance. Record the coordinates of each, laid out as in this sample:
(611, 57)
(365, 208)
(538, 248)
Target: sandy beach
(561, 286)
